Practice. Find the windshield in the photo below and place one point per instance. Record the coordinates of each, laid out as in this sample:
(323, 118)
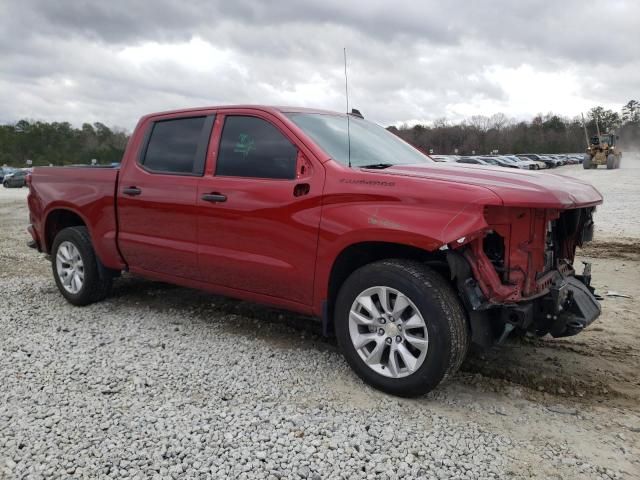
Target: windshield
(370, 143)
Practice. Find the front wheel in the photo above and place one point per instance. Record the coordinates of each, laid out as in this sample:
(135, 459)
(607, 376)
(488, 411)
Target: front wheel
(78, 273)
(401, 326)
(586, 162)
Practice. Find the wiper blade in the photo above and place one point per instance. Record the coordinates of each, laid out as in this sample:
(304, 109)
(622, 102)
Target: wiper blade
(379, 166)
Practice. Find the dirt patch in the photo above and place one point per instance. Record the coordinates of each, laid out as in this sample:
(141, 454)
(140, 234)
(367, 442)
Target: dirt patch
(621, 248)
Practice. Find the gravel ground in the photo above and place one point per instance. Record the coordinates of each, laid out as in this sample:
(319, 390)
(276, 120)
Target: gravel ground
(165, 382)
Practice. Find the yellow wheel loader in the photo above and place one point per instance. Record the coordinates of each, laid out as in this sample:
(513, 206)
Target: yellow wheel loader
(602, 150)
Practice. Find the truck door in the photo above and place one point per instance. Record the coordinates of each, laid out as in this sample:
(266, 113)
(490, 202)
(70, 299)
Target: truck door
(259, 209)
(156, 197)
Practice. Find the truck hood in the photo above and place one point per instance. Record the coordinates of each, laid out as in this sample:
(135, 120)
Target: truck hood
(516, 188)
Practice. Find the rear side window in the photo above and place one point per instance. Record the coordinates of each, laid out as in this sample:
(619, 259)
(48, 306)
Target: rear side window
(252, 147)
(178, 146)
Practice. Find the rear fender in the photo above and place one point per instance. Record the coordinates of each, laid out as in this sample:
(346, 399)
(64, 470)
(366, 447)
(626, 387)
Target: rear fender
(103, 238)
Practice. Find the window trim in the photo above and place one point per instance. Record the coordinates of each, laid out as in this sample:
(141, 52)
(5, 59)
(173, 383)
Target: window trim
(224, 117)
(200, 160)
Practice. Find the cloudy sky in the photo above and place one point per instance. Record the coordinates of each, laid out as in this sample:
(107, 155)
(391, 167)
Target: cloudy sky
(113, 61)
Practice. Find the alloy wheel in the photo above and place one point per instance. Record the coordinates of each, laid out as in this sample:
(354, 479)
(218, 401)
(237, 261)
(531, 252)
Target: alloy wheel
(388, 332)
(70, 267)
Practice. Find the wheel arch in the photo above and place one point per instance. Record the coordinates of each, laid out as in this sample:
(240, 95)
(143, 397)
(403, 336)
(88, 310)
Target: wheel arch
(359, 254)
(58, 219)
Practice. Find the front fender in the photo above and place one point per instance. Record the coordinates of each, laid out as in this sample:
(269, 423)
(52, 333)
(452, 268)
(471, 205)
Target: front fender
(427, 225)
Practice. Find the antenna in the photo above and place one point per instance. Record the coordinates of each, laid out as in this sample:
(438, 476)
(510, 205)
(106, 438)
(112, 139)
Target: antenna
(346, 93)
(597, 126)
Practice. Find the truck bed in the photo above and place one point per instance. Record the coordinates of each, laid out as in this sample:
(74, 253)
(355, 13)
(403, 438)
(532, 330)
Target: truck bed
(87, 190)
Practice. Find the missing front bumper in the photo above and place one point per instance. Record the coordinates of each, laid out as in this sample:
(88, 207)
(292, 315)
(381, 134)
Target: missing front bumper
(568, 309)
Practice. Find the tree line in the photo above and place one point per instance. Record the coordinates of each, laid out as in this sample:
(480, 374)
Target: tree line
(59, 143)
(548, 133)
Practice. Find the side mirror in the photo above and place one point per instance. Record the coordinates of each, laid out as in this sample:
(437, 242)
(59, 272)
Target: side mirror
(303, 166)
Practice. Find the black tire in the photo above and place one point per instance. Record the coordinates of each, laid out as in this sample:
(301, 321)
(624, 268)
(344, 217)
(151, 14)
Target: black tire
(5, 184)
(97, 279)
(440, 307)
(611, 161)
(586, 162)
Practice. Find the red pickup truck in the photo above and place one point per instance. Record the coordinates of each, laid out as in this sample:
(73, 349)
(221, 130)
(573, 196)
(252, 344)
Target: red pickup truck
(405, 260)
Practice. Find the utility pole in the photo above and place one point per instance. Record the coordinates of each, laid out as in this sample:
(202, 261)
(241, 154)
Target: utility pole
(584, 125)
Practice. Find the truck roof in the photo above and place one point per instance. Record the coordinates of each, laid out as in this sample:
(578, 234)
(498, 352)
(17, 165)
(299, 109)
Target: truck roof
(265, 108)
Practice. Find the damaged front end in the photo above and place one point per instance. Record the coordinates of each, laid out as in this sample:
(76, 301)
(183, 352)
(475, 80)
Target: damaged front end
(519, 273)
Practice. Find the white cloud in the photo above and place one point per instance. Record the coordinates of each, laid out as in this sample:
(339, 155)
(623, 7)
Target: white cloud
(410, 61)
(529, 91)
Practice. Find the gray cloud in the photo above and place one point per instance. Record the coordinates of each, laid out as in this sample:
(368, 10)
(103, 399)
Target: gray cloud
(409, 61)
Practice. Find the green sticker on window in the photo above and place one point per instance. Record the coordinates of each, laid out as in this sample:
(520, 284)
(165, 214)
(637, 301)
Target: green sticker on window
(245, 144)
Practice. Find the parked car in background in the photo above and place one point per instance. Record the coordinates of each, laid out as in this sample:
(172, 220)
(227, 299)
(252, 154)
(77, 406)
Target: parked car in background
(445, 158)
(520, 163)
(548, 161)
(575, 158)
(531, 164)
(16, 179)
(558, 161)
(498, 161)
(5, 171)
(473, 160)
(561, 159)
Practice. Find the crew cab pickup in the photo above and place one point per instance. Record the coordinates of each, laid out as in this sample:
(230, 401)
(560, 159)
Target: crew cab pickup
(406, 261)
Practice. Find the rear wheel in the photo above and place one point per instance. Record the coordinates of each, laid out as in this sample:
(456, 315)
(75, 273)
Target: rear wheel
(78, 273)
(401, 326)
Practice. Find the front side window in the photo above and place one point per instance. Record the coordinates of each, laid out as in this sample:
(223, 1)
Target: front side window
(175, 146)
(252, 147)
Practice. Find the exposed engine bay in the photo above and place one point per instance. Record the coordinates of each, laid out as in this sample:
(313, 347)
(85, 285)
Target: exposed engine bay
(521, 273)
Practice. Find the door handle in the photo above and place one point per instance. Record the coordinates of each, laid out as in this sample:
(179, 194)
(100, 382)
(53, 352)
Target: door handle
(301, 189)
(132, 191)
(214, 197)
